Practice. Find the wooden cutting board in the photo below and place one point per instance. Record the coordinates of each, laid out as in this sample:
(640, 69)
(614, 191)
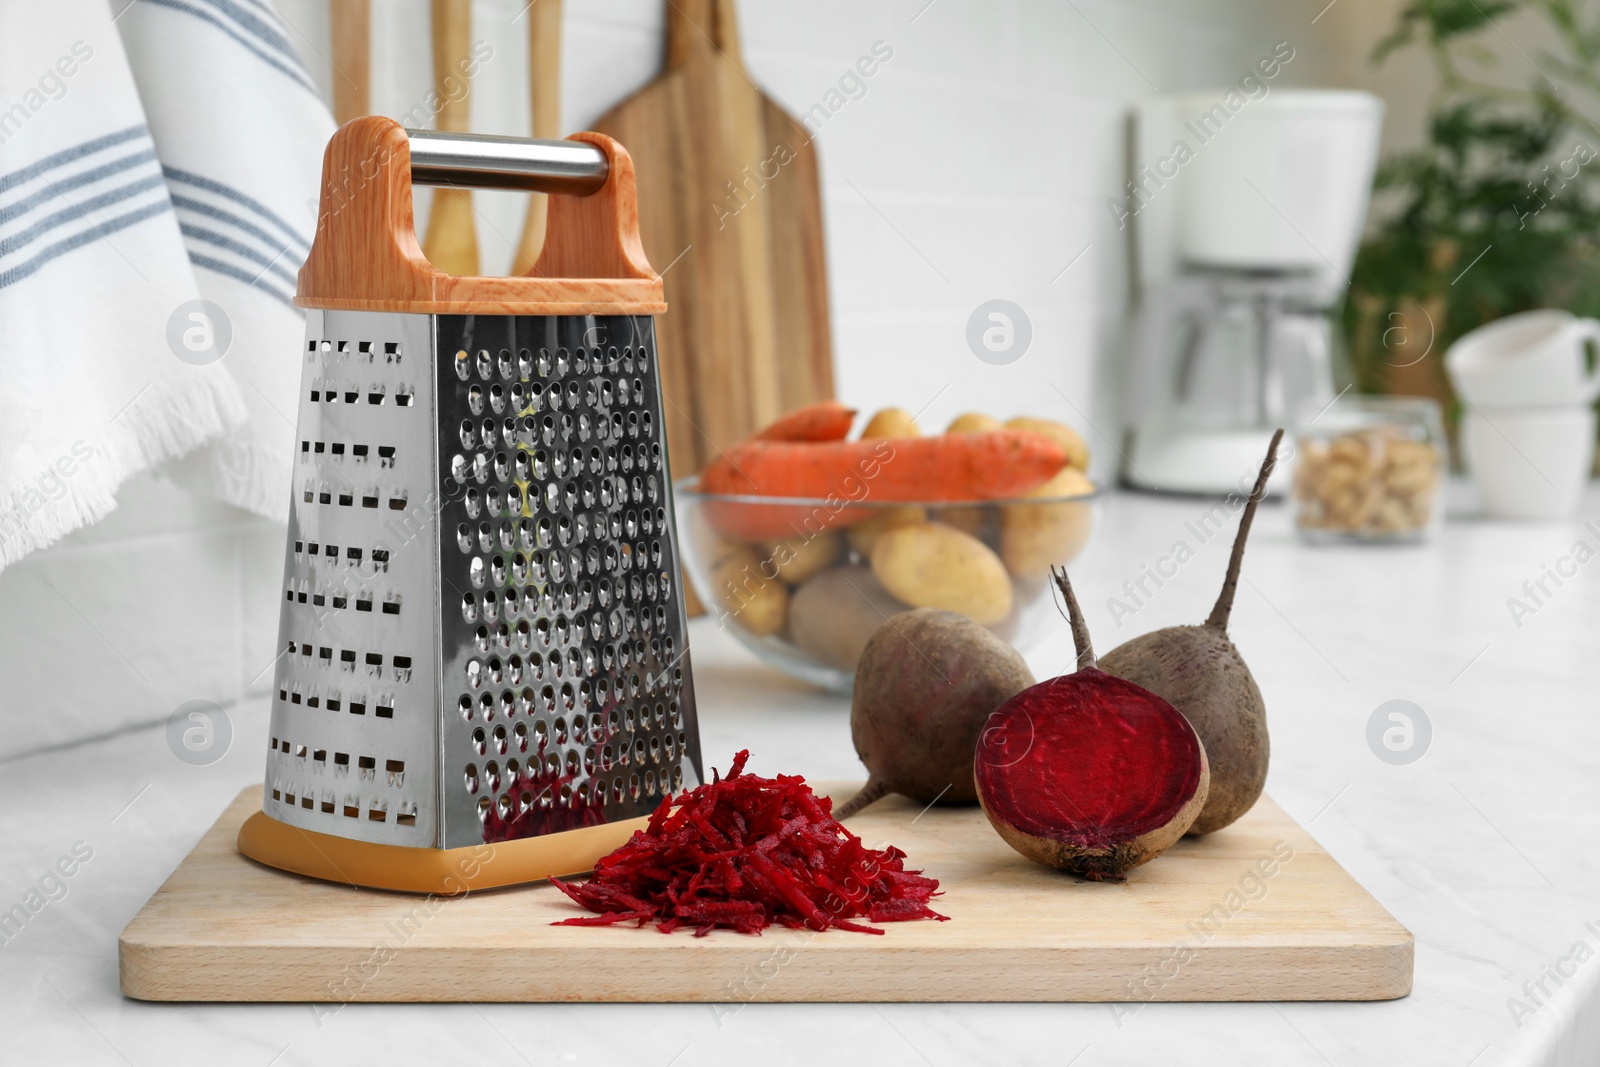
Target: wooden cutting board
(1256, 912)
(729, 210)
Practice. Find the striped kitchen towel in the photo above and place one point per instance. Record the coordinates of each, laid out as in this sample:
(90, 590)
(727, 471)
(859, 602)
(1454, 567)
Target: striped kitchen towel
(239, 129)
(93, 271)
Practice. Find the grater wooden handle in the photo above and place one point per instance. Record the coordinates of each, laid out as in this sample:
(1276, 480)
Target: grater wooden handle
(366, 256)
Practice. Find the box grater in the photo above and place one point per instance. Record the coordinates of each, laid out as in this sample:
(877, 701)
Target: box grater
(484, 670)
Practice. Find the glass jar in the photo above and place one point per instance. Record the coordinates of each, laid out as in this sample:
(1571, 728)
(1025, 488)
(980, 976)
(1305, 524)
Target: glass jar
(1370, 468)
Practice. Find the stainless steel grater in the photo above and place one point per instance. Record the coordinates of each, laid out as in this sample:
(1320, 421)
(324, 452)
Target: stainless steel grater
(484, 669)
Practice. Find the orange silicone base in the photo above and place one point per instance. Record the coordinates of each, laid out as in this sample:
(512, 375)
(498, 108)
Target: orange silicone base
(446, 872)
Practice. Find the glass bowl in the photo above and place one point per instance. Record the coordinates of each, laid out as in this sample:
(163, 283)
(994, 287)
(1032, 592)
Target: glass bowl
(1370, 468)
(807, 602)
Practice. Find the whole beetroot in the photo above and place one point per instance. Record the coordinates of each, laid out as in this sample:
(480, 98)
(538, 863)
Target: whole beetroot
(925, 685)
(1199, 670)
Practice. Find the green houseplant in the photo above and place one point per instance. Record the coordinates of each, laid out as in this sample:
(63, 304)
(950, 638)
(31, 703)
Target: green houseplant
(1499, 210)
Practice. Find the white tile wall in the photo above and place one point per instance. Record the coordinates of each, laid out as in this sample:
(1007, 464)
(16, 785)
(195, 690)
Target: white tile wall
(976, 166)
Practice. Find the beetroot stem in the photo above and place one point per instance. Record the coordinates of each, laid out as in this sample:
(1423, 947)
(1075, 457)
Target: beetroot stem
(1230, 584)
(1080, 629)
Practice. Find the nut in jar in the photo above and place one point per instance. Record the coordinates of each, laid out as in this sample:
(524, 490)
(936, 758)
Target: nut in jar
(1371, 473)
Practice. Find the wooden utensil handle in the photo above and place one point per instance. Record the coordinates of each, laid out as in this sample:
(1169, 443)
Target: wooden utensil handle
(452, 45)
(366, 256)
(695, 24)
(351, 31)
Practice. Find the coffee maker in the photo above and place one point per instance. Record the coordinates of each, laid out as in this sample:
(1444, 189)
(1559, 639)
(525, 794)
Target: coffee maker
(1246, 213)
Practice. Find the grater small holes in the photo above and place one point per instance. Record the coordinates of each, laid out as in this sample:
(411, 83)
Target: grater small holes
(475, 400)
(480, 467)
(464, 705)
(472, 777)
(475, 572)
(484, 806)
(469, 607)
(472, 502)
(485, 364)
(497, 398)
(463, 366)
(464, 537)
(474, 674)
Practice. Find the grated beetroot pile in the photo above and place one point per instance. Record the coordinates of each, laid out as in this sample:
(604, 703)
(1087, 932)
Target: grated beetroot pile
(744, 852)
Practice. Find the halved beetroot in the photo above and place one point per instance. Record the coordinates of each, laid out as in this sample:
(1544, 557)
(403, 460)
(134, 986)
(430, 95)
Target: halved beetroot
(1088, 772)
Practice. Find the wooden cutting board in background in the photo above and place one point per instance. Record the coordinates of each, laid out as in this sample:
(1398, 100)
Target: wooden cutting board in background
(730, 211)
(1255, 912)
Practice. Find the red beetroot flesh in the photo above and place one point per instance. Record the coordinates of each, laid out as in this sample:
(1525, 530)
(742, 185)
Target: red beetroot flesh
(1087, 759)
(744, 852)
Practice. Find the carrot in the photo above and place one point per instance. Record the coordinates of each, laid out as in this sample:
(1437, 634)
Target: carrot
(947, 467)
(826, 420)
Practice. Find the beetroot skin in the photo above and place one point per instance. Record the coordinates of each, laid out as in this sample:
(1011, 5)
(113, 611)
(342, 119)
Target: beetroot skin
(1088, 772)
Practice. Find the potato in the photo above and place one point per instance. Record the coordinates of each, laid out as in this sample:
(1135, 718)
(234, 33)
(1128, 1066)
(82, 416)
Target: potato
(1059, 432)
(864, 534)
(931, 565)
(834, 614)
(891, 422)
(972, 422)
(1034, 537)
(749, 592)
(798, 558)
(974, 519)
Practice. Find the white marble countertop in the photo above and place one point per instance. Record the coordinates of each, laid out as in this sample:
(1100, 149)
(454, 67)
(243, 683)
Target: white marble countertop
(1481, 847)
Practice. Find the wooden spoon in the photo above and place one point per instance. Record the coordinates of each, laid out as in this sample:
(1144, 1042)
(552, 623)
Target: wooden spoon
(544, 76)
(451, 243)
